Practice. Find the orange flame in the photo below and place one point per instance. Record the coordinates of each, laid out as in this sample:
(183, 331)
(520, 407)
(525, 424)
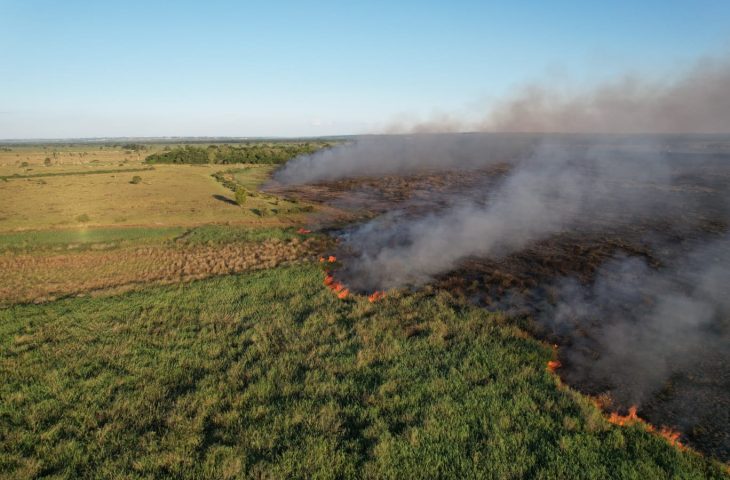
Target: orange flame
(332, 259)
(553, 365)
(303, 231)
(375, 296)
(328, 280)
(343, 294)
(672, 436)
(321, 259)
(618, 419)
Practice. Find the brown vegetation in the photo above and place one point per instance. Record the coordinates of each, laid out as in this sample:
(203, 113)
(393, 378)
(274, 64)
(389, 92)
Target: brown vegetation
(43, 277)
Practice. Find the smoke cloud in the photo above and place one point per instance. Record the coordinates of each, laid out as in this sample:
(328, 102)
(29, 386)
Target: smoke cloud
(646, 324)
(558, 187)
(696, 102)
(398, 154)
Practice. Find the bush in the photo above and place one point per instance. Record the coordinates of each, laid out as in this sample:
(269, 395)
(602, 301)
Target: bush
(241, 195)
(135, 180)
(47, 162)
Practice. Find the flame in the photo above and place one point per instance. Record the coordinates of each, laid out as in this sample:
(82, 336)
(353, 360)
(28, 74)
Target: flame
(553, 365)
(375, 296)
(333, 284)
(672, 436)
(622, 420)
(303, 231)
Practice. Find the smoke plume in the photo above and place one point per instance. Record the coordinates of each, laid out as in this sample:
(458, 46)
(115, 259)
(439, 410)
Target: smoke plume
(646, 324)
(696, 102)
(560, 186)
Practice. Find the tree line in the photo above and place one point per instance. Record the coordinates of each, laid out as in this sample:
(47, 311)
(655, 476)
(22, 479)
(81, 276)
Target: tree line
(266, 153)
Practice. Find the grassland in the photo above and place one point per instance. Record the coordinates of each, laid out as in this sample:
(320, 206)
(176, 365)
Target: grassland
(269, 375)
(230, 359)
(90, 186)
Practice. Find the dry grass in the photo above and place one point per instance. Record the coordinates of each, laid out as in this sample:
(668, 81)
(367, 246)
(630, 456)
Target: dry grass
(168, 195)
(43, 277)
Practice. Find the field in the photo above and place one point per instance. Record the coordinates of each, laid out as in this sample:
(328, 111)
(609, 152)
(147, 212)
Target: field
(93, 187)
(157, 329)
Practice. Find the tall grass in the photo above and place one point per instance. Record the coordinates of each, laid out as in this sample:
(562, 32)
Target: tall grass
(269, 375)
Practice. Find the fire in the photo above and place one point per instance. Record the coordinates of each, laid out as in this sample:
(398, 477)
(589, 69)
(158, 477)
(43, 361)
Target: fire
(671, 436)
(375, 296)
(553, 365)
(343, 294)
(332, 259)
(321, 259)
(303, 231)
(328, 280)
(622, 420)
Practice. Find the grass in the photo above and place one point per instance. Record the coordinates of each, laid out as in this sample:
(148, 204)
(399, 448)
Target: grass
(221, 234)
(170, 195)
(269, 375)
(85, 238)
(18, 176)
(46, 265)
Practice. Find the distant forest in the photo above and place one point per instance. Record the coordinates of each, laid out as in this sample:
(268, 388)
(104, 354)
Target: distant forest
(268, 153)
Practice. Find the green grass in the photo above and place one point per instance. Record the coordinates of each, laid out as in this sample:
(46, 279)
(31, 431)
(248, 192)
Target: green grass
(269, 375)
(221, 234)
(84, 238)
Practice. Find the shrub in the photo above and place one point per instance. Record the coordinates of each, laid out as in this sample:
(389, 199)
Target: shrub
(241, 195)
(83, 218)
(135, 180)
(47, 162)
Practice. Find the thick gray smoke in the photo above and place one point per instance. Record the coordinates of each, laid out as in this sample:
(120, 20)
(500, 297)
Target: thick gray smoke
(645, 324)
(555, 188)
(397, 154)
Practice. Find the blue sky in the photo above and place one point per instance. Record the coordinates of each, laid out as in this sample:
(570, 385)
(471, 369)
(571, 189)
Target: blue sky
(88, 69)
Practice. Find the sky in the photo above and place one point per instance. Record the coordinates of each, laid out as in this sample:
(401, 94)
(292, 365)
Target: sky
(71, 69)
